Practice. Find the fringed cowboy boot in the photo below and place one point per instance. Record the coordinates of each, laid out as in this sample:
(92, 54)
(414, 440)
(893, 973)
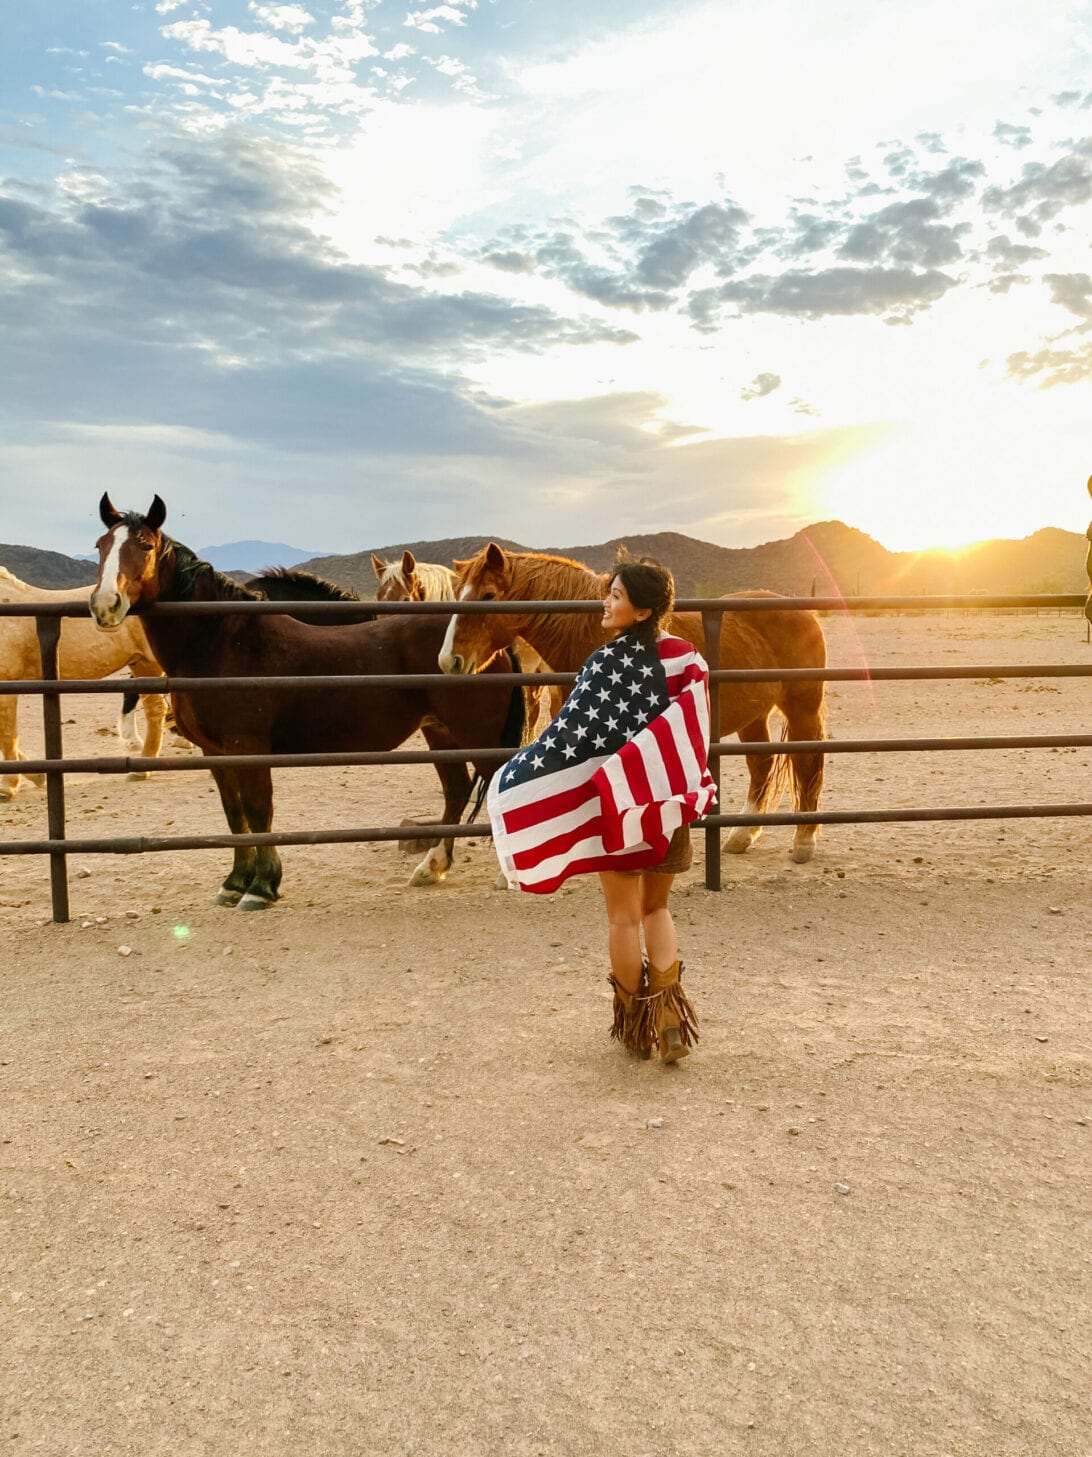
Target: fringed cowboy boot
(626, 1027)
(667, 1020)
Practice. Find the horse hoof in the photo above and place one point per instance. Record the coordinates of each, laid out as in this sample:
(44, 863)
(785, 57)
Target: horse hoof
(228, 897)
(802, 853)
(6, 794)
(254, 903)
(736, 846)
(424, 876)
(139, 774)
(38, 780)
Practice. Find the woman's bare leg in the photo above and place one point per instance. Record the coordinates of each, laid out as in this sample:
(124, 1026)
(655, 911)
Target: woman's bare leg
(622, 894)
(661, 941)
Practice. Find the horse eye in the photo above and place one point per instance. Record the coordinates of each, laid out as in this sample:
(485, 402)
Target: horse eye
(488, 596)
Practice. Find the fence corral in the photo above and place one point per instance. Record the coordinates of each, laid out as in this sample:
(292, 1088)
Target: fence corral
(54, 765)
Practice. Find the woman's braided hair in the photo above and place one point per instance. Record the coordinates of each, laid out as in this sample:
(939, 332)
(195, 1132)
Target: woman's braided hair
(647, 584)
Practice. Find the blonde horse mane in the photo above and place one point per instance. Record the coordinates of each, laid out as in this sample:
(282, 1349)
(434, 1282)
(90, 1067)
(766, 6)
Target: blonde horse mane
(437, 582)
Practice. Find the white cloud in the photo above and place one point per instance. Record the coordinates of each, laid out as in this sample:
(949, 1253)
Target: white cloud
(292, 18)
(433, 20)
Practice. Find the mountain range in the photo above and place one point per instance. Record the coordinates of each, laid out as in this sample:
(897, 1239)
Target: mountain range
(825, 559)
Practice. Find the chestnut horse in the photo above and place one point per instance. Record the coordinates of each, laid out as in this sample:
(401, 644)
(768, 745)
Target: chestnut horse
(81, 653)
(412, 581)
(768, 639)
(139, 565)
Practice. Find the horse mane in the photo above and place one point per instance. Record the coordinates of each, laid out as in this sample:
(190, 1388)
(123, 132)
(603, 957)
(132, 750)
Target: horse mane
(11, 577)
(437, 582)
(306, 585)
(193, 576)
(554, 577)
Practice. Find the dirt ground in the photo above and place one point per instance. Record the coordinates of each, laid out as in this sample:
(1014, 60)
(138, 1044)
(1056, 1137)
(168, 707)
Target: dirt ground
(363, 1174)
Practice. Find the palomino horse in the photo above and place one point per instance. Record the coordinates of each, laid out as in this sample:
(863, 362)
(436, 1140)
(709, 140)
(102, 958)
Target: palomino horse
(139, 566)
(412, 581)
(768, 639)
(82, 653)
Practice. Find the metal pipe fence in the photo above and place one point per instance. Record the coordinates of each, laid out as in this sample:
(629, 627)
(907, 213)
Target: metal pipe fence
(58, 844)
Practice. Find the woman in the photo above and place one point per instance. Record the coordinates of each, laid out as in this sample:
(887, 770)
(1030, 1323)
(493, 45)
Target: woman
(611, 787)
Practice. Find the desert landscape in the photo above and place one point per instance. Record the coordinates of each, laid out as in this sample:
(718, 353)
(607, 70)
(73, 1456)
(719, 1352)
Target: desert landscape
(363, 1174)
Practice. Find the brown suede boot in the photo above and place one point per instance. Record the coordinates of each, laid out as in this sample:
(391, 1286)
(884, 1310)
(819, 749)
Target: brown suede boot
(668, 1021)
(627, 1025)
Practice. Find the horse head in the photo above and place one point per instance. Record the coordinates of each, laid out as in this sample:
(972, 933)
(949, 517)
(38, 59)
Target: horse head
(473, 640)
(399, 583)
(129, 552)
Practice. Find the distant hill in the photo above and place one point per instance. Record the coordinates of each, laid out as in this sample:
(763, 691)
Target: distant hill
(826, 559)
(46, 568)
(252, 556)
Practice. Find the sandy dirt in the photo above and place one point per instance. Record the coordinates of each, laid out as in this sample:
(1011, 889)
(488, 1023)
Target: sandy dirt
(363, 1174)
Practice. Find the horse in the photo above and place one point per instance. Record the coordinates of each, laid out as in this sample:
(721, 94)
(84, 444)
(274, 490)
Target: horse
(82, 652)
(140, 565)
(768, 639)
(412, 581)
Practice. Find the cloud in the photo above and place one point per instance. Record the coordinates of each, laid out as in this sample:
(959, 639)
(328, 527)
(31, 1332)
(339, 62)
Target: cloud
(1044, 191)
(761, 386)
(195, 298)
(1073, 291)
(1013, 136)
(1052, 366)
(896, 294)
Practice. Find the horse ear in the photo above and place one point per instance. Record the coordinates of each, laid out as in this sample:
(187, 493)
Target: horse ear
(494, 557)
(379, 566)
(157, 513)
(109, 515)
(459, 567)
(409, 564)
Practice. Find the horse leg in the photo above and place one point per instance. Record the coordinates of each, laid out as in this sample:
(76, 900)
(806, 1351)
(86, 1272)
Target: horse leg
(242, 871)
(767, 781)
(9, 743)
(455, 781)
(155, 712)
(256, 793)
(125, 728)
(805, 717)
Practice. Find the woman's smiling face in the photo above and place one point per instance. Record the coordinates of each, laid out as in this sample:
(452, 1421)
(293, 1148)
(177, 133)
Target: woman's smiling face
(618, 611)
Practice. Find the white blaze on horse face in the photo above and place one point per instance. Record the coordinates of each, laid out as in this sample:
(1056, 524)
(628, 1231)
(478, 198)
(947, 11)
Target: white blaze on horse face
(108, 604)
(449, 663)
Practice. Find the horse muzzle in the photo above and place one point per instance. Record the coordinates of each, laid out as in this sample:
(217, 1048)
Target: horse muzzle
(109, 610)
(454, 663)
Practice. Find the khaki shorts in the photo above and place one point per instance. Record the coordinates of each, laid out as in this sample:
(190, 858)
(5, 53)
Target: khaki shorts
(679, 856)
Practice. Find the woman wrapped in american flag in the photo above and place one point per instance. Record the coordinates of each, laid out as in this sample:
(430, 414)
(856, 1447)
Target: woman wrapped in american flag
(611, 787)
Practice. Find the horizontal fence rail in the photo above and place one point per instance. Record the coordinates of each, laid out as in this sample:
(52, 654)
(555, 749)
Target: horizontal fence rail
(54, 765)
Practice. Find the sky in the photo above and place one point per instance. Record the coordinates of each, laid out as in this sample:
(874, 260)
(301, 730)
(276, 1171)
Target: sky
(348, 273)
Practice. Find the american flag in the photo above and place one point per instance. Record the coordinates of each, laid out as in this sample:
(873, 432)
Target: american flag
(615, 774)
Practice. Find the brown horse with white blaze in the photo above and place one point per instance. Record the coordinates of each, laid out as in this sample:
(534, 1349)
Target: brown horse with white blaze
(139, 565)
(767, 639)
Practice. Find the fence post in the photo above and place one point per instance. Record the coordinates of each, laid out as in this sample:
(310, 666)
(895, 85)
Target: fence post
(49, 635)
(712, 620)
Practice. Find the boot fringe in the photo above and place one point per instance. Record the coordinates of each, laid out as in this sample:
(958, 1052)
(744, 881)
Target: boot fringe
(626, 1028)
(668, 1006)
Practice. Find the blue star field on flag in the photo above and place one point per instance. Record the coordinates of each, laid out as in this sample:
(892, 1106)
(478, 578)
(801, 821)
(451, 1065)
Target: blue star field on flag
(622, 687)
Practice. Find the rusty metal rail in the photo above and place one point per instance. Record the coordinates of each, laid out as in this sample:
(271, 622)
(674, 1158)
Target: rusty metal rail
(54, 766)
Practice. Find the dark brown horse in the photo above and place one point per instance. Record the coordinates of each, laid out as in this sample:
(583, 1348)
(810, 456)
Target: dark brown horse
(139, 565)
(769, 639)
